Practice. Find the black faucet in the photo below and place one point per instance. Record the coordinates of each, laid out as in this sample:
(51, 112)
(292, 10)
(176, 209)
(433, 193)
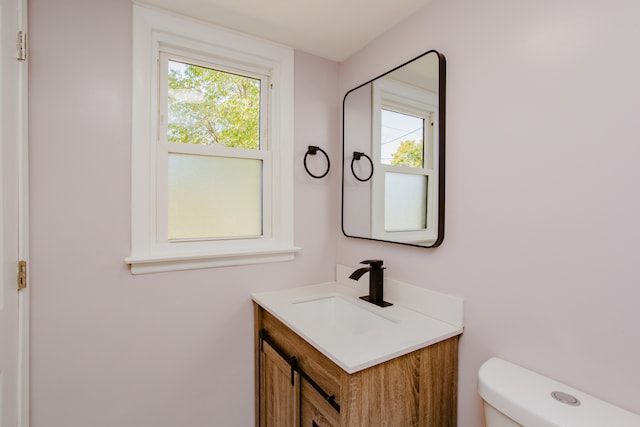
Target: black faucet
(375, 281)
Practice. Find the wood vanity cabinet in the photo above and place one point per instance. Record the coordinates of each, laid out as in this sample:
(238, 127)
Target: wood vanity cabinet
(417, 389)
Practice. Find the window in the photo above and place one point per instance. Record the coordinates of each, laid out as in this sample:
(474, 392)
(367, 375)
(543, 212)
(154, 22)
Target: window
(404, 144)
(212, 146)
(215, 146)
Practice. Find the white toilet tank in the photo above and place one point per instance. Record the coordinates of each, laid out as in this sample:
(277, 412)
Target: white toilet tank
(514, 396)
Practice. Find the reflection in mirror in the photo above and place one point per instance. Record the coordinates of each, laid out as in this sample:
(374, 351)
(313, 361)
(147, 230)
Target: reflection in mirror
(397, 120)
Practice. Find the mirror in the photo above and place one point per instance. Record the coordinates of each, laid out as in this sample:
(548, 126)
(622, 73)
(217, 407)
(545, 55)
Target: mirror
(393, 155)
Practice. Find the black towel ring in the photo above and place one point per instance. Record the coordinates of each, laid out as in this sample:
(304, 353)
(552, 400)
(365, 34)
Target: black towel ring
(356, 156)
(313, 150)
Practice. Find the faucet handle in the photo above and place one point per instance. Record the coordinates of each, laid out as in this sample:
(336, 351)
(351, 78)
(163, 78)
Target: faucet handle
(374, 263)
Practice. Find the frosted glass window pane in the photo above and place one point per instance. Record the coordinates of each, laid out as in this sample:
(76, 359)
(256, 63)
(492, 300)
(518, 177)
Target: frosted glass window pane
(405, 202)
(214, 197)
(208, 106)
(402, 139)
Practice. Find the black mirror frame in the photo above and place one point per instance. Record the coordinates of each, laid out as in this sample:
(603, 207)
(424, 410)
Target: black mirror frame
(442, 78)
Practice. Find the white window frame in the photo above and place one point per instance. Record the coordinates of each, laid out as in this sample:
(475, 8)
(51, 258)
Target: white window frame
(155, 31)
(400, 97)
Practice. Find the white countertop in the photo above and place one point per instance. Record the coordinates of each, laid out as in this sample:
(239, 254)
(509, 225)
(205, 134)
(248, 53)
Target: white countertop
(417, 319)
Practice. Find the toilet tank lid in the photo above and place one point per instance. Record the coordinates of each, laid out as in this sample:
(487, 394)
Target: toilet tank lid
(525, 397)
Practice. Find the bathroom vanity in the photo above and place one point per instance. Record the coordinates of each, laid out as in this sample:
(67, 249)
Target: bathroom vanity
(325, 358)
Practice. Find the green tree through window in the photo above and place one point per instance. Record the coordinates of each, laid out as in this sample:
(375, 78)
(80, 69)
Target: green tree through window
(409, 153)
(208, 106)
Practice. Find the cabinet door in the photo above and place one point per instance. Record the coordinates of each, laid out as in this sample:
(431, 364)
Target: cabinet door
(279, 390)
(315, 411)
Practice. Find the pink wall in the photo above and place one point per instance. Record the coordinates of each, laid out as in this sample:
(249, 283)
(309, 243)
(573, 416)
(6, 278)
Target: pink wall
(542, 230)
(163, 350)
(542, 237)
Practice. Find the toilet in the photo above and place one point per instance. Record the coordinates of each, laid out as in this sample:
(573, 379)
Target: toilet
(514, 396)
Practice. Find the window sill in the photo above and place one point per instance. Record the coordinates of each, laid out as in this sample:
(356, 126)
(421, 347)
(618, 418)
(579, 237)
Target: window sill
(161, 263)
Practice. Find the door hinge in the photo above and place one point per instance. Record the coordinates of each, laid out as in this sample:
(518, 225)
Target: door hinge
(22, 275)
(21, 46)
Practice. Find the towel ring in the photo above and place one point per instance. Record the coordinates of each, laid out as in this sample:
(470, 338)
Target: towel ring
(313, 150)
(356, 156)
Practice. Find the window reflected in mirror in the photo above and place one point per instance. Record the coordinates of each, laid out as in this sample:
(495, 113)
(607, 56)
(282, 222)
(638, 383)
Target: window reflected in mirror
(406, 207)
(402, 139)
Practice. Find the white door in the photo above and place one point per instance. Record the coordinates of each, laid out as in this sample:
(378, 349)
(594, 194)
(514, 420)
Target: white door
(13, 314)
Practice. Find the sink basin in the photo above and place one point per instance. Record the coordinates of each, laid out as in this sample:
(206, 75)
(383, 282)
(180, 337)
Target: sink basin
(340, 313)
